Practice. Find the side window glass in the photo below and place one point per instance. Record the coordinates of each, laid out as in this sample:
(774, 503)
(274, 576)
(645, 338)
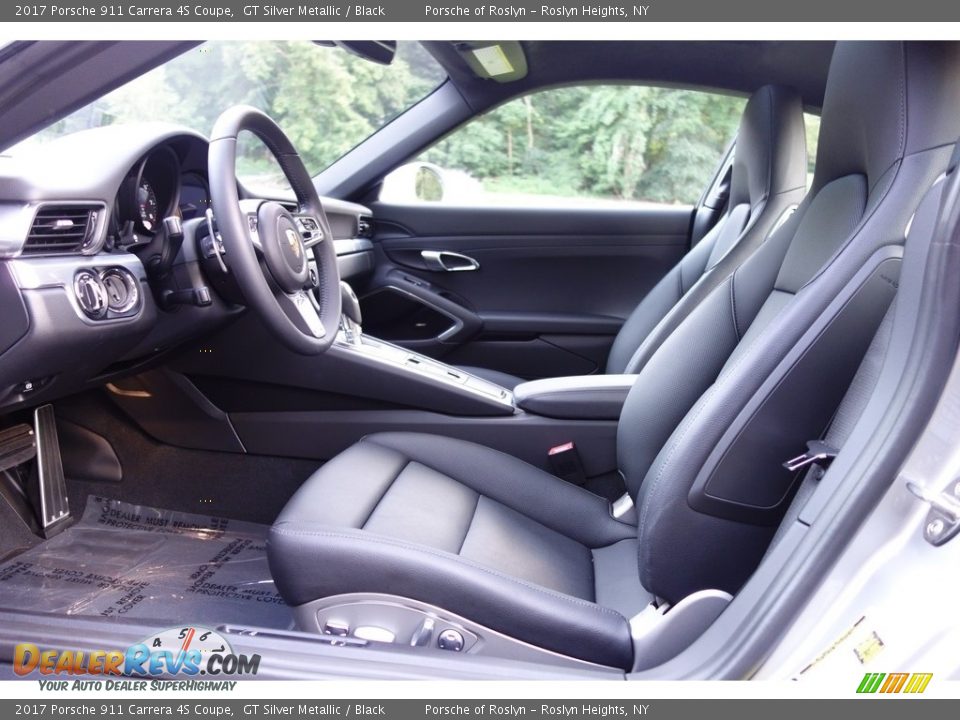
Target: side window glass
(591, 146)
(812, 123)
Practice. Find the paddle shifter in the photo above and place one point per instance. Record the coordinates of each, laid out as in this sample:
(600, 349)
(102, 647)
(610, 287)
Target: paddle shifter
(350, 317)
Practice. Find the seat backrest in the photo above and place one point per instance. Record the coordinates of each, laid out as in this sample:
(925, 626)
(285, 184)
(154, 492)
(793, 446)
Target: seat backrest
(760, 361)
(768, 175)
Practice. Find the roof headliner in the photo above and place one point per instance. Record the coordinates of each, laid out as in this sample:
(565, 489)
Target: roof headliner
(736, 67)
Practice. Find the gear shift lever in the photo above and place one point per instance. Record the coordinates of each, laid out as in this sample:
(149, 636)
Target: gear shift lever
(350, 317)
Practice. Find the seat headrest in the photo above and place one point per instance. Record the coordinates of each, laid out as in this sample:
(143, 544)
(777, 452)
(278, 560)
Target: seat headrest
(771, 152)
(885, 100)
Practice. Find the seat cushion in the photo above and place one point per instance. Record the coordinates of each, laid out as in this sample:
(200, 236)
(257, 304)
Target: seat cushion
(466, 528)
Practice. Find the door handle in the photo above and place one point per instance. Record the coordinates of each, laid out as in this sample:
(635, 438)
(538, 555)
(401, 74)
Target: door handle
(446, 261)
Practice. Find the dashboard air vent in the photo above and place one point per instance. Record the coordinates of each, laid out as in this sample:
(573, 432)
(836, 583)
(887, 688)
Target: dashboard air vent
(62, 229)
(365, 227)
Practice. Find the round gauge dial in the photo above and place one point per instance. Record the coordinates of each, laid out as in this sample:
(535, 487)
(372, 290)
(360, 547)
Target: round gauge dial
(147, 206)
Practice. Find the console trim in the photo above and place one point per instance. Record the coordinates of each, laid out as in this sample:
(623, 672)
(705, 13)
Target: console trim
(373, 349)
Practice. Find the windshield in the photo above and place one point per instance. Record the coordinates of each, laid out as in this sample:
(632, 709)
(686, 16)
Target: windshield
(326, 99)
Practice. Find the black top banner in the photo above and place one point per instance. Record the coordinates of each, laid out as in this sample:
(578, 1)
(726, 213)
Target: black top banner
(738, 11)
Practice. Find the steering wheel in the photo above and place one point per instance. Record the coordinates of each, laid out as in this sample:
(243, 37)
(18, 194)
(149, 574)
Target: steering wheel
(280, 288)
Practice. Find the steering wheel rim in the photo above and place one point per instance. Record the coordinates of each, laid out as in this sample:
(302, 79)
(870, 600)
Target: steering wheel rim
(288, 310)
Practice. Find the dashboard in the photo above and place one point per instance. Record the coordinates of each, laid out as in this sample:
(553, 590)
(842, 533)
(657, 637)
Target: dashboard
(105, 259)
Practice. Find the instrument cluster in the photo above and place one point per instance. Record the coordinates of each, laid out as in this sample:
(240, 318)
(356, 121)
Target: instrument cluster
(150, 192)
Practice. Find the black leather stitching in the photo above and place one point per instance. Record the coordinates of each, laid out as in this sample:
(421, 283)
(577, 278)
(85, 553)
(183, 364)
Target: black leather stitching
(426, 550)
(733, 305)
(591, 497)
(385, 491)
(771, 154)
(473, 516)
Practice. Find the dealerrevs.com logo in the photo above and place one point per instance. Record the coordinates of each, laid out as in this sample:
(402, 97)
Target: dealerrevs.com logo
(892, 683)
(175, 653)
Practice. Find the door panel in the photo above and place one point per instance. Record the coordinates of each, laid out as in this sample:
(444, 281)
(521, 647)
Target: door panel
(550, 289)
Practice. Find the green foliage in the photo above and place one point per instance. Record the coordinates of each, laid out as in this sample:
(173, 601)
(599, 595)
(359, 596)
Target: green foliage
(327, 100)
(624, 142)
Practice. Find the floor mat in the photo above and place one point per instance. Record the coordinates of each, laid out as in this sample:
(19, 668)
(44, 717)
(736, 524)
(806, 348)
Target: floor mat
(132, 561)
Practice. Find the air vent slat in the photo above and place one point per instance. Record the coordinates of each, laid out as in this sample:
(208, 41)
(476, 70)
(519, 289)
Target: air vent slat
(365, 226)
(62, 229)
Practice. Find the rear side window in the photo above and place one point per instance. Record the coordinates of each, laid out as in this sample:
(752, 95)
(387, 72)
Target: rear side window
(588, 145)
(812, 123)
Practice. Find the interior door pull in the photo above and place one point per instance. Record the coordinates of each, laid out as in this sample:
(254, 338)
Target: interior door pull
(446, 261)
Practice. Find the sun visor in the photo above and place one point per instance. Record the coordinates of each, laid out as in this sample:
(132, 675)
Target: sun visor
(501, 61)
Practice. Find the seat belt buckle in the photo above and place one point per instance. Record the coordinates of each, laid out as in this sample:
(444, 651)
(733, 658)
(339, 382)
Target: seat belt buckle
(818, 453)
(565, 463)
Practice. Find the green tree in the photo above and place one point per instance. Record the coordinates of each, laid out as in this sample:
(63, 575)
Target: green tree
(625, 142)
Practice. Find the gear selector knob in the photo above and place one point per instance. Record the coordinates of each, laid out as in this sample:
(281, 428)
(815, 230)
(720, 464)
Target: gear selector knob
(350, 317)
(349, 303)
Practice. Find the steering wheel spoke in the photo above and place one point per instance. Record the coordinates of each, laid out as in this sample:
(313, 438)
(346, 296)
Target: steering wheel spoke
(303, 310)
(311, 230)
(250, 208)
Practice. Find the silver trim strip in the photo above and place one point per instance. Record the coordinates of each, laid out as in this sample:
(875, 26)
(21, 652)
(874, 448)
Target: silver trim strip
(349, 246)
(36, 273)
(427, 369)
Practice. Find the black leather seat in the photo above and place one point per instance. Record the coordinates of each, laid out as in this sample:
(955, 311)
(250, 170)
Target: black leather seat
(466, 528)
(492, 539)
(769, 175)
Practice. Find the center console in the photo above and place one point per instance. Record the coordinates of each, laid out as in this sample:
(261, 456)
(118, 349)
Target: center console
(426, 372)
(589, 397)
(292, 405)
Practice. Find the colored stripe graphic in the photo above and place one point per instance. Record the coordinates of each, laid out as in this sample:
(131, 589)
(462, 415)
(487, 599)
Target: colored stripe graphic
(870, 682)
(918, 682)
(894, 683)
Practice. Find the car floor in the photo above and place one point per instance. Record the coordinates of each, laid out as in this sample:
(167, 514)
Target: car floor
(242, 487)
(124, 561)
(181, 537)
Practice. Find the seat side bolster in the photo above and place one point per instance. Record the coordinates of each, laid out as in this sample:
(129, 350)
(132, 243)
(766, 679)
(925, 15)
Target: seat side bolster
(332, 561)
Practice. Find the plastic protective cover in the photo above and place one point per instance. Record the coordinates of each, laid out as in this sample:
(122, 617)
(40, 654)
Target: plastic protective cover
(132, 561)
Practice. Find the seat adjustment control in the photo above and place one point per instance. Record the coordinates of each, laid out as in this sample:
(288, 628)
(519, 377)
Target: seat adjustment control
(374, 634)
(450, 640)
(424, 633)
(336, 627)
